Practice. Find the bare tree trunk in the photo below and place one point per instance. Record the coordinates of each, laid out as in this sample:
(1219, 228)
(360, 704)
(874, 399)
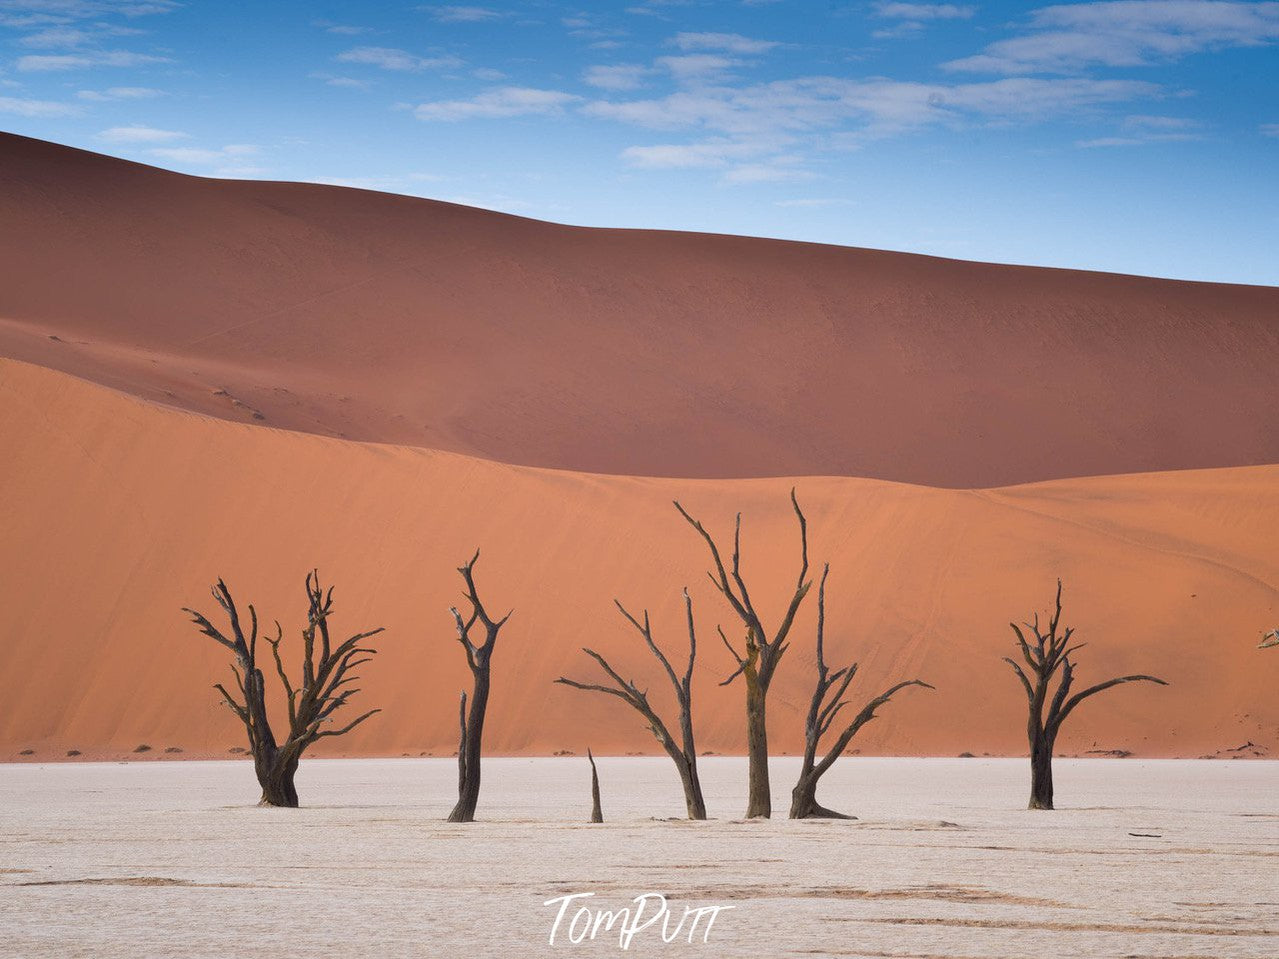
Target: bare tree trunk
(468, 796)
(323, 688)
(597, 813)
(1045, 654)
(277, 783)
(758, 660)
(478, 658)
(759, 799)
(1041, 774)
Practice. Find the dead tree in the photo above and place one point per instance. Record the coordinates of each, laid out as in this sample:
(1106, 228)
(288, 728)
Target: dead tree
(758, 661)
(683, 754)
(323, 689)
(1045, 654)
(597, 813)
(822, 710)
(478, 657)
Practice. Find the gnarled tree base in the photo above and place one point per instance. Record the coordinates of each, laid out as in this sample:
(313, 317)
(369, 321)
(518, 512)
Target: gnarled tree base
(821, 812)
(804, 805)
(277, 786)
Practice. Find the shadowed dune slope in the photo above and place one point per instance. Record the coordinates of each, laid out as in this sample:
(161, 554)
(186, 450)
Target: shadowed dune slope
(121, 511)
(391, 319)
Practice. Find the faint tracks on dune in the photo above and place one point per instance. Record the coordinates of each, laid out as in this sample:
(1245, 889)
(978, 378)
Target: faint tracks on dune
(994, 498)
(379, 274)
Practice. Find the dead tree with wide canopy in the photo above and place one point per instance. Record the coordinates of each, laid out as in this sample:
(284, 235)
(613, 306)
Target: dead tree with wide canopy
(757, 662)
(684, 753)
(478, 658)
(823, 708)
(323, 689)
(1045, 654)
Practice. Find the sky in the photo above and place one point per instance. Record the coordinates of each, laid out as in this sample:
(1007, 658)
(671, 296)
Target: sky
(1132, 136)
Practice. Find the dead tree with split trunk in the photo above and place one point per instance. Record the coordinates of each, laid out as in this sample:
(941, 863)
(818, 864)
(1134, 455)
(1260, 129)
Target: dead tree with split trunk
(1045, 654)
(478, 657)
(683, 753)
(757, 662)
(823, 708)
(323, 688)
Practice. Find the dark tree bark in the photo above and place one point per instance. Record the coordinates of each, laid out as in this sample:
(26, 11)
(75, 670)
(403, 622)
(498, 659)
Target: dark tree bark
(478, 658)
(1045, 655)
(822, 710)
(597, 813)
(683, 754)
(324, 687)
(758, 661)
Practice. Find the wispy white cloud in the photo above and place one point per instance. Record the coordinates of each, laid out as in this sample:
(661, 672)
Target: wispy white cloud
(813, 203)
(336, 80)
(698, 66)
(391, 58)
(913, 18)
(496, 104)
(120, 93)
(924, 11)
(1270, 129)
(620, 76)
(24, 107)
(54, 38)
(25, 14)
(683, 156)
(232, 160)
(140, 134)
(1142, 129)
(79, 61)
(776, 172)
(1124, 33)
(341, 29)
(462, 14)
(728, 42)
(768, 129)
(876, 106)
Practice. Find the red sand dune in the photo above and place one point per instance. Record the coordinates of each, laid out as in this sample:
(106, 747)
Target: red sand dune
(465, 342)
(121, 511)
(398, 320)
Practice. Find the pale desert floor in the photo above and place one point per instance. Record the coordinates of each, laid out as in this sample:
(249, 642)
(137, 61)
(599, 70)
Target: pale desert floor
(173, 860)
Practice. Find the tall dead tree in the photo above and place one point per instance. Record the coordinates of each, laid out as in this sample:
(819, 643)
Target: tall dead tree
(822, 710)
(323, 689)
(758, 661)
(1044, 655)
(684, 753)
(478, 657)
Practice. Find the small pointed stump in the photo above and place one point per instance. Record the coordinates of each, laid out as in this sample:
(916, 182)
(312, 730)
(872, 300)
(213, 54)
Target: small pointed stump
(597, 813)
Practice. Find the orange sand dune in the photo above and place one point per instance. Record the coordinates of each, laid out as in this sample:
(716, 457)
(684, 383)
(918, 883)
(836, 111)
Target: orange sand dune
(119, 511)
(391, 319)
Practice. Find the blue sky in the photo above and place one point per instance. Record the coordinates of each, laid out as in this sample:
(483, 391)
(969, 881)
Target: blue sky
(1135, 136)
